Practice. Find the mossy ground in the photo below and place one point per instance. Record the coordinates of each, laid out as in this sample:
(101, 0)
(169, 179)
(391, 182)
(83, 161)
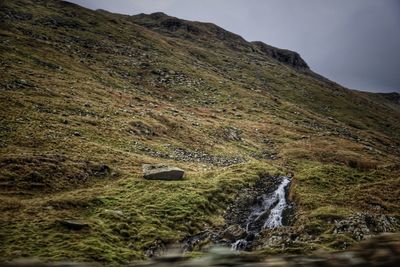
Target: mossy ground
(127, 217)
(85, 90)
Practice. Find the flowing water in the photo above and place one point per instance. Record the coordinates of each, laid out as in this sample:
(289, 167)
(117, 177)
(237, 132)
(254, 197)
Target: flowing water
(240, 244)
(266, 213)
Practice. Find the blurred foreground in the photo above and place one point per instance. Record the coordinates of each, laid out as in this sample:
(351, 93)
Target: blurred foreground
(381, 250)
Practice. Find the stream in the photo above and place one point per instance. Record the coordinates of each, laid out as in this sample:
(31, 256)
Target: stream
(262, 206)
(267, 213)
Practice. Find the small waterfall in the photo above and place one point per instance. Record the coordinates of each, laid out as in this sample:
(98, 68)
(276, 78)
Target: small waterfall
(266, 213)
(239, 244)
(275, 217)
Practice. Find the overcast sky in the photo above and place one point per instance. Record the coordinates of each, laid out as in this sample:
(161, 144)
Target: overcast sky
(353, 42)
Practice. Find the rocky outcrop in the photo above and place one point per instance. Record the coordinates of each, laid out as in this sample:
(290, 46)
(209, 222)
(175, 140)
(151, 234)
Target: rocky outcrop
(232, 134)
(207, 32)
(284, 56)
(162, 172)
(363, 225)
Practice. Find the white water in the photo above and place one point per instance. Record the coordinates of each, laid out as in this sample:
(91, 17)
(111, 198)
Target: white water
(267, 214)
(275, 217)
(239, 244)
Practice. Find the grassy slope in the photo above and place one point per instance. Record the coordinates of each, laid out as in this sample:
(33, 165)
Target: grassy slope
(96, 73)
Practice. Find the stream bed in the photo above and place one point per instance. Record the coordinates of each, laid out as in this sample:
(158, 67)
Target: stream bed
(266, 213)
(262, 206)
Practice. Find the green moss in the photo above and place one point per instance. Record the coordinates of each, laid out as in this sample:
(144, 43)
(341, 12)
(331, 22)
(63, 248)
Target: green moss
(134, 215)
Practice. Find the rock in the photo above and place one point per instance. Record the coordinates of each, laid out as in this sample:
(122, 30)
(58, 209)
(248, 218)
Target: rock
(232, 134)
(100, 170)
(363, 225)
(114, 213)
(234, 232)
(162, 172)
(141, 128)
(284, 56)
(74, 224)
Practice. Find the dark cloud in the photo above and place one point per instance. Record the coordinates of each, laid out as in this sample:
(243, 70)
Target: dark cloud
(355, 43)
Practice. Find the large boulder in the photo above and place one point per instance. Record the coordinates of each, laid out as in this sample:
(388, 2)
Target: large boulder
(162, 172)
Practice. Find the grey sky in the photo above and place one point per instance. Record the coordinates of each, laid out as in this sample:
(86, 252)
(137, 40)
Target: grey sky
(353, 42)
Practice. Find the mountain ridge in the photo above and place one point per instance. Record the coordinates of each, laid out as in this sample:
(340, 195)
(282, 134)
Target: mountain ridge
(159, 20)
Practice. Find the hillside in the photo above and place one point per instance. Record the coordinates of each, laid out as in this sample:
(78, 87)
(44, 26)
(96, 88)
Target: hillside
(87, 97)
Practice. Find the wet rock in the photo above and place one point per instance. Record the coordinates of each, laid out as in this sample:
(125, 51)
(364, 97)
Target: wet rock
(234, 232)
(240, 244)
(74, 224)
(245, 219)
(162, 172)
(239, 211)
(256, 209)
(199, 241)
(273, 238)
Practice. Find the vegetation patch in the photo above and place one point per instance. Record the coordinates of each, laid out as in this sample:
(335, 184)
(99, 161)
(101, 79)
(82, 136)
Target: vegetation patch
(128, 220)
(48, 173)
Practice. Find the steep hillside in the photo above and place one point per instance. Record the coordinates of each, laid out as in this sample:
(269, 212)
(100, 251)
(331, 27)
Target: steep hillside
(87, 97)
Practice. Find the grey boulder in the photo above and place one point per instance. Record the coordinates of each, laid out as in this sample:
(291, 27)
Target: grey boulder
(162, 172)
